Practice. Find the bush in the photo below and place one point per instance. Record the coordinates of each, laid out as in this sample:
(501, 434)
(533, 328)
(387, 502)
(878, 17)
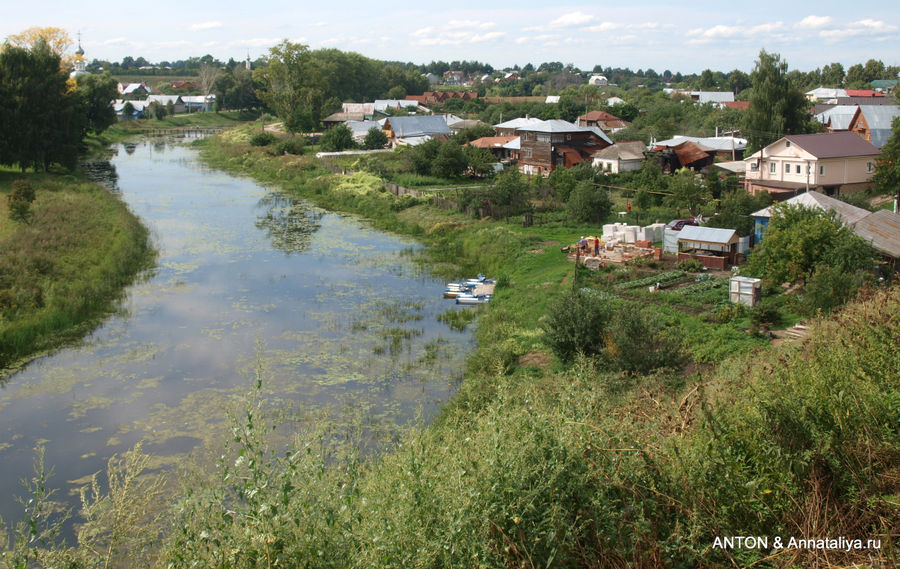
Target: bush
(588, 203)
(294, 145)
(689, 265)
(637, 343)
(262, 139)
(375, 139)
(830, 287)
(576, 324)
(337, 139)
(20, 200)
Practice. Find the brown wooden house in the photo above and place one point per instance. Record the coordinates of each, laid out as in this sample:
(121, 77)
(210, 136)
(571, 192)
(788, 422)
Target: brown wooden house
(548, 145)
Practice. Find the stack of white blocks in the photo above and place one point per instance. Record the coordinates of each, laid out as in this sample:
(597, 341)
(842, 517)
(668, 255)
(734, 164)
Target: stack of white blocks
(620, 232)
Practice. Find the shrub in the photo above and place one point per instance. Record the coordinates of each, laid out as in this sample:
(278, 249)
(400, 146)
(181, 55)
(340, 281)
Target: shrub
(689, 265)
(262, 139)
(337, 139)
(764, 314)
(638, 344)
(294, 145)
(576, 323)
(20, 200)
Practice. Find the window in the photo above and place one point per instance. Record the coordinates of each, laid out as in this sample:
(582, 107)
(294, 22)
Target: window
(772, 167)
(788, 143)
(798, 168)
(787, 168)
(870, 167)
(822, 170)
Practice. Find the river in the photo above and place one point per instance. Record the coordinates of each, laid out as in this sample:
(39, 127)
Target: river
(336, 314)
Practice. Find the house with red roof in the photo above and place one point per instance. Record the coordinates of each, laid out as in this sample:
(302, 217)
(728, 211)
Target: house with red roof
(831, 163)
(606, 122)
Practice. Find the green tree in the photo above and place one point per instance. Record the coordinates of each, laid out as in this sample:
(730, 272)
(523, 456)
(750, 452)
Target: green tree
(481, 161)
(735, 209)
(798, 240)
(776, 108)
(375, 139)
(450, 161)
(887, 168)
(833, 75)
(685, 191)
(576, 324)
(292, 86)
(509, 190)
(95, 93)
(127, 110)
(589, 203)
(43, 120)
(337, 138)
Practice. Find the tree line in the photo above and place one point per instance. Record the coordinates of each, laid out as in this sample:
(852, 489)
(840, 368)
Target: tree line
(44, 116)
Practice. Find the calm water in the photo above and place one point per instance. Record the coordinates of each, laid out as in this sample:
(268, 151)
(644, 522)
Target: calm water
(341, 319)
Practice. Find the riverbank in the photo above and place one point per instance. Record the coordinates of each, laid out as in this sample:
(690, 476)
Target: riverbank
(537, 462)
(64, 268)
(543, 462)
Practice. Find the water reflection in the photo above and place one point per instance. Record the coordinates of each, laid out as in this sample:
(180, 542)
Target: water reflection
(346, 322)
(289, 223)
(103, 172)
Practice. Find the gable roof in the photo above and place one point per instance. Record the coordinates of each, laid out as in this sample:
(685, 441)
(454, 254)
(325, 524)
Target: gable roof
(840, 116)
(882, 230)
(845, 212)
(492, 141)
(557, 126)
(833, 144)
(880, 118)
(863, 93)
(518, 123)
(633, 150)
(708, 235)
(713, 96)
(406, 127)
(826, 93)
(718, 143)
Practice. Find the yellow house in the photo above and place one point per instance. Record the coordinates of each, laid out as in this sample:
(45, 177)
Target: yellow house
(831, 163)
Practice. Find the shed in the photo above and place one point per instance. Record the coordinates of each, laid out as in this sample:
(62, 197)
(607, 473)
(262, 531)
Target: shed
(715, 248)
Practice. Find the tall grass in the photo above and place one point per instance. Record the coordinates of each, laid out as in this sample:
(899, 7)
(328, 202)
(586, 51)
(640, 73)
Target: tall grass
(65, 268)
(563, 466)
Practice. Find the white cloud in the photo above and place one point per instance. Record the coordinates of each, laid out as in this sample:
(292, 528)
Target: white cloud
(604, 27)
(259, 42)
(114, 41)
(858, 28)
(813, 22)
(572, 19)
(722, 32)
(205, 26)
(458, 32)
(469, 24)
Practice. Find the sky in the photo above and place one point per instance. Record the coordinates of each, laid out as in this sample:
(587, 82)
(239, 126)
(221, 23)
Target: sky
(680, 36)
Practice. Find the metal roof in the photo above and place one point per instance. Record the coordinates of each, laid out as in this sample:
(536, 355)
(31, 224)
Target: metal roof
(839, 115)
(623, 151)
(406, 127)
(518, 123)
(879, 118)
(713, 96)
(846, 213)
(710, 235)
(882, 230)
(719, 143)
(827, 93)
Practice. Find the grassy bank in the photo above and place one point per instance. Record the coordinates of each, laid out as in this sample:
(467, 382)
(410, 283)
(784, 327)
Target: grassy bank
(537, 462)
(64, 268)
